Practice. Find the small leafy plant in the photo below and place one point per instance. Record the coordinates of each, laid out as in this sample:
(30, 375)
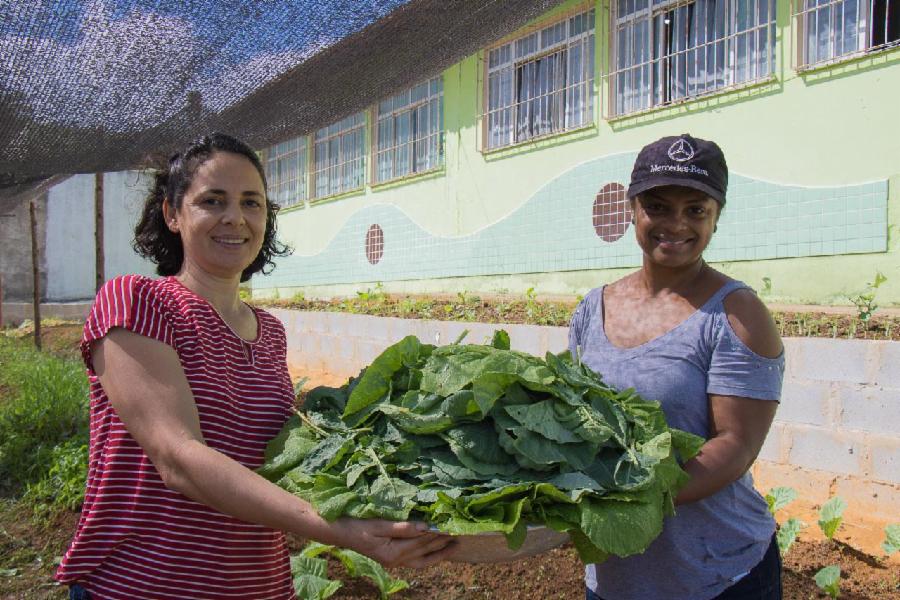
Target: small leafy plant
(865, 301)
(787, 534)
(831, 515)
(779, 497)
(829, 580)
(310, 572)
(891, 541)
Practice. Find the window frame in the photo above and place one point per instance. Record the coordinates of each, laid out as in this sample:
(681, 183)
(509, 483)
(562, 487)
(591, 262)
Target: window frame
(801, 11)
(587, 85)
(765, 65)
(412, 108)
(272, 157)
(338, 135)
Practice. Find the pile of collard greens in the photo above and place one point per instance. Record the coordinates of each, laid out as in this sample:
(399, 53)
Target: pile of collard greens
(478, 438)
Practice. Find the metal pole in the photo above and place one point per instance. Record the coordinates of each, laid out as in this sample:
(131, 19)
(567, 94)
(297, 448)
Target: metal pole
(36, 285)
(98, 231)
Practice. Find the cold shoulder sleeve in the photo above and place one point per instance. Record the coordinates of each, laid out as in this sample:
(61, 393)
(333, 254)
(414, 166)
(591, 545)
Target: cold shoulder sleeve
(736, 370)
(133, 303)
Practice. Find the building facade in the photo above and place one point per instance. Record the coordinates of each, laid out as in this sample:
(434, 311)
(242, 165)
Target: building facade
(508, 170)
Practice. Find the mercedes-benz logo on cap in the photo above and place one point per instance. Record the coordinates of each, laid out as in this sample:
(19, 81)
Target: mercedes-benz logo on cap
(681, 151)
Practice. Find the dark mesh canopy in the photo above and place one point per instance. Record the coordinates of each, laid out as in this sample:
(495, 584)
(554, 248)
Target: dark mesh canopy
(100, 85)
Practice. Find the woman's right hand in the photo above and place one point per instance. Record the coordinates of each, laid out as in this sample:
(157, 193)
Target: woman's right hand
(395, 544)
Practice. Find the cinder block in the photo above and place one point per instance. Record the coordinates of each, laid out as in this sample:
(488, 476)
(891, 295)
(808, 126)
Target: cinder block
(811, 484)
(805, 402)
(873, 499)
(825, 450)
(887, 369)
(375, 328)
(526, 338)
(557, 339)
(870, 408)
(885, 453)
(822, 359)
(366, 352)
(773, 446)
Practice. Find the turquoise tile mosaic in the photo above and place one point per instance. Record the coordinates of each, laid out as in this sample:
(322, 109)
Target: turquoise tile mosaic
(554, 231)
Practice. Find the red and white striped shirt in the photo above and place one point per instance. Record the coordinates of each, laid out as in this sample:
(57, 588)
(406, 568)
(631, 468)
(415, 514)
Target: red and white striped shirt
(138, 539)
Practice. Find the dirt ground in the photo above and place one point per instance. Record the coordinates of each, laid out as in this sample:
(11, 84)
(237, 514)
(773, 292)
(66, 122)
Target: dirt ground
(28, 554)
(557, 574)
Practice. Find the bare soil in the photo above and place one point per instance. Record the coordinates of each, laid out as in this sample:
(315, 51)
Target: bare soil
(32, 553)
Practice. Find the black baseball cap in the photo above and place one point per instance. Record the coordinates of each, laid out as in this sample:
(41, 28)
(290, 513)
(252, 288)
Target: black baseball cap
(681, 160)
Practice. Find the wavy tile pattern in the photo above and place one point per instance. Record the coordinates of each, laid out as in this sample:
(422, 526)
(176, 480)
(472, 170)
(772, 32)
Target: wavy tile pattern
(553, 231)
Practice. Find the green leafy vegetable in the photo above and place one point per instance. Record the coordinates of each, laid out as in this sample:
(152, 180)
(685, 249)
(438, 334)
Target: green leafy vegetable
(787, 534)
(891, 541)
(829, 580)
(779, 497)
(831, 515)
(478, 438)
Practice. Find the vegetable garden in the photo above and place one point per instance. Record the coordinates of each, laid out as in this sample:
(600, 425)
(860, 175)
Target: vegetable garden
(36, 516)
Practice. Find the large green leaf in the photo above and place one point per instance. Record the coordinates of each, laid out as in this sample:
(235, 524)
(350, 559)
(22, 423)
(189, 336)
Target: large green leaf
(376, 380)
(476, 447)
(287, 449)
(540, 417)
(620, 528)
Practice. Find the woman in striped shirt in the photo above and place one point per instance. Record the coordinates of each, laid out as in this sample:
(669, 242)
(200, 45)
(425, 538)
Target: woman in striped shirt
(187, 385)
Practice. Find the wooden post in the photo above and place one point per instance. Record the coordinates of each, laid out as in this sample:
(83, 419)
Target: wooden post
(1, 300)
(98, 231)
(35, 271)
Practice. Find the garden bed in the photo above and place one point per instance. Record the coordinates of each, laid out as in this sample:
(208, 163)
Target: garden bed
(28, 553)
(846, 323)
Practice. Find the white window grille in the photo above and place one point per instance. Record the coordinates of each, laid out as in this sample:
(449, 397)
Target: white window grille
(409, 131)
(286, 172)
(831, 30)
(339, 157)
(670, 50)
(541, 83)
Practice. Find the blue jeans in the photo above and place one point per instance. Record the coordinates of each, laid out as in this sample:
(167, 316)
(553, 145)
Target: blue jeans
(763, 582)
(76, 592)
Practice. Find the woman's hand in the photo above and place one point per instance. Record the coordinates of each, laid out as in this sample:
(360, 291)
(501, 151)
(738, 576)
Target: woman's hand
(395, 544)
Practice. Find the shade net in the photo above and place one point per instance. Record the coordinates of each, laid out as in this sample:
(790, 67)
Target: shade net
(107, 85)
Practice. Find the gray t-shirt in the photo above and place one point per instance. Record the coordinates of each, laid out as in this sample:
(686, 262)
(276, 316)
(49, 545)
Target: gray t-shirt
(710, 543)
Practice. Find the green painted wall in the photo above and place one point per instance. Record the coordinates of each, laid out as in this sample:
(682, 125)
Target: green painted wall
(835, 128)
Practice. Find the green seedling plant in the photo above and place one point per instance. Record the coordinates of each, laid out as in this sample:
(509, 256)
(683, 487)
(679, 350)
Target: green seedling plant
(829, 580)
(779, 497)
(787, 534)
(865, 301)
(831, 515)
(891, 541)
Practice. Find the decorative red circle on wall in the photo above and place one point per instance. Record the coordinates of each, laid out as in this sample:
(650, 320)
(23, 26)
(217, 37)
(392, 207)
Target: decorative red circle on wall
(374, 244)
(612, 212)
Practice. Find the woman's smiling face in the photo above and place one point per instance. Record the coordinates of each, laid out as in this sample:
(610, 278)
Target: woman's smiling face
(222, 217)
(674, 224)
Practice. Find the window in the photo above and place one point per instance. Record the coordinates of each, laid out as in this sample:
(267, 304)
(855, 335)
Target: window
(286, 172)
(339, 157)
(409, 131)
(541, 83)
(834, 29)
(669, 50)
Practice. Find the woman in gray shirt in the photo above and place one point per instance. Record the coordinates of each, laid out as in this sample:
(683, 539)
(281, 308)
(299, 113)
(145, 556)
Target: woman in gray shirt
(706, 347)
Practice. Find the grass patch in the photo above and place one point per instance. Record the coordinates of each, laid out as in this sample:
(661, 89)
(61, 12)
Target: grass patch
(43, 427)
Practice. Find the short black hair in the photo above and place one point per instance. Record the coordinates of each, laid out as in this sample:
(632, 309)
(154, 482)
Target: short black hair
(153, 239)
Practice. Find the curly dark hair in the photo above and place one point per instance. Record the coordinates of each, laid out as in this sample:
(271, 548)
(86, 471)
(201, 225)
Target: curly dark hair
(153, 239)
